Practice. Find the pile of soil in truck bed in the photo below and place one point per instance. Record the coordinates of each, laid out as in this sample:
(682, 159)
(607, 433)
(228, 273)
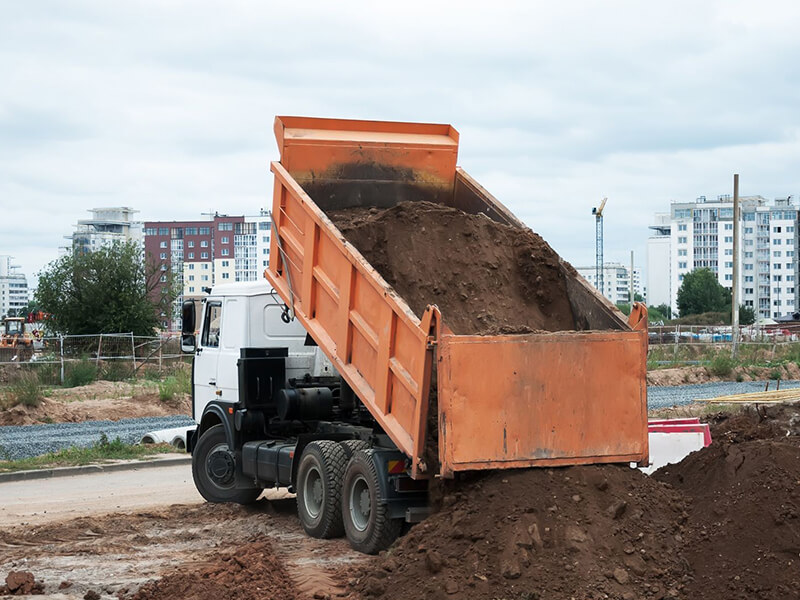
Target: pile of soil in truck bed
(486, 278)
(724, 524)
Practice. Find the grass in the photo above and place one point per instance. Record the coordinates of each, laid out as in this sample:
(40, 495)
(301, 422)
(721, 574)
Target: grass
(175, 385)
(103, 450)
(25, 389)
(80, 373)
(717, 356)
(722, 364)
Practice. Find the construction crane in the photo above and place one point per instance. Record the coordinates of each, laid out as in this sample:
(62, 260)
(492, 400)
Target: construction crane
(598, 220)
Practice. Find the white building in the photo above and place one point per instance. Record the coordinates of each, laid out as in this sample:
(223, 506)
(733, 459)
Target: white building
(700, 235)
(616, 281)
(13, 288)
(107, 225)
(659, 262)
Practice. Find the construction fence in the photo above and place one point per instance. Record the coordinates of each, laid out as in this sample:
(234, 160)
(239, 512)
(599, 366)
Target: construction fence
(66, 359)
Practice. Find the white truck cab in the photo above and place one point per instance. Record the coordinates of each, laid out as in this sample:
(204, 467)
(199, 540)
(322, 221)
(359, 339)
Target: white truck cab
(246, 315)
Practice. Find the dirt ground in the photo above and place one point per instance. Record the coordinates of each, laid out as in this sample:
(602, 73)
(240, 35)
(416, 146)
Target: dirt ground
(722, 524)
(98, 401)
(486, 278)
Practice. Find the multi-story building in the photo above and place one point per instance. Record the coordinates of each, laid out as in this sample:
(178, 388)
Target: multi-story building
(193, 255)
(700, 235)
(616, 281)
(13, 288)
(658, 261)
(107, 225)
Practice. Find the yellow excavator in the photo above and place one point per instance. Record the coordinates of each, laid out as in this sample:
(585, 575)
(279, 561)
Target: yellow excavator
(15, 345)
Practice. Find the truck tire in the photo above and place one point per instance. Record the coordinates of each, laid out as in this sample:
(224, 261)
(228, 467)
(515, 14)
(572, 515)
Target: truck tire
(319, 488)
(214, 470)
(366, 521)
(352, 446)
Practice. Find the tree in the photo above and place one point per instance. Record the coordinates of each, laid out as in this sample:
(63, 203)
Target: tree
(110, 290)
(747, 316)
(700, 292)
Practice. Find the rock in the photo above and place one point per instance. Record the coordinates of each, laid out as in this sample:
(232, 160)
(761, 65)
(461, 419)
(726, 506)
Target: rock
(576, 498)
(602, 485)
(621, 576)
(617, 509)
(434, 562)
(636, 564)
(536, 537)
(451, 587)
(20, 582)
(523, 538)
(319, 595)
(576, 538)
(373, 587)
(509, 568)
(390, 564)
(91, 595)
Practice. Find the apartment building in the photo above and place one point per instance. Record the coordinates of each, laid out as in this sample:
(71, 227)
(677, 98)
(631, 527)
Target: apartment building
(199, 254)
(699, 234)
(13, 288)
(616, 281)
(107, 225)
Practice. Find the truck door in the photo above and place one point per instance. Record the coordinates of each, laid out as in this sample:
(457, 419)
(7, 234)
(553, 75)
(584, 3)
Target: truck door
(207, 357)
(232, 340)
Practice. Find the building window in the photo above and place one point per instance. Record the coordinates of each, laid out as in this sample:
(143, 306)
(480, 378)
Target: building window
(190, 231)
(163, 231)
(748, 242)
(204, 255)
(226, 263)
(748, 230)
(225, 252)
(191, 277)
(789, 266)
(790, 229)
(776, 242)
(150, 231)
(191, 288)
(225, 240)
(728, 251)
(776, 278)
(748, 255)
(728, 265)
(681, 265)
(729, 277)
(191, 256)
(680, 252)
(191, 243)
(205, 231)
(162, 245)
(191, 267)
(728, 239)
(777, 254)
(728, 226)
(789, 253)
(163, 255)
(776, 266)
(264, 263)
(790, 242)
(264, 225)
(749, 279)
(682, 239)
(204, 277)
(163, 279)
(225, 227)
(205, 267)
(265, 239)
(204, 244)
(776, 290)
(163, 267)
(776, 230)
(748, 267)
(790, 278)
(226, 275)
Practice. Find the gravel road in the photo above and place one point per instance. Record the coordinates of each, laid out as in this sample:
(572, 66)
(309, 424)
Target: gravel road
(32, 440)
(24, 441)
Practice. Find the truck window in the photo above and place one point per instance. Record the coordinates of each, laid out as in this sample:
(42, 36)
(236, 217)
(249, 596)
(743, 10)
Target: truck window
(211, 325)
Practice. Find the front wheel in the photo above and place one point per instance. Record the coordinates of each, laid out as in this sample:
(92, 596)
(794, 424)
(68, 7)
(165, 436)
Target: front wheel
(366, 521)
(214, 470)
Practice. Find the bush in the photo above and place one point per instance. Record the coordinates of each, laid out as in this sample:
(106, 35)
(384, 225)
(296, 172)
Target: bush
(116, 370)
(722, 364)
(175, 385)
(80, 373)
(25, 389)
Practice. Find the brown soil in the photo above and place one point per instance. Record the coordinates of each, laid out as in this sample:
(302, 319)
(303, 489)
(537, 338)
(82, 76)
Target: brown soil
(722, 524)
(203, 551)
(486, 278)
(700, 374)
(98, 401)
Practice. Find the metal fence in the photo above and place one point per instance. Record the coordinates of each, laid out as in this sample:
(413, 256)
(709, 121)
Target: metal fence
(706, 334)
(112, 356)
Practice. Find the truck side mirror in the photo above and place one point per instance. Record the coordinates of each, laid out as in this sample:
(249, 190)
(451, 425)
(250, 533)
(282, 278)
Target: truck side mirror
(188, 342)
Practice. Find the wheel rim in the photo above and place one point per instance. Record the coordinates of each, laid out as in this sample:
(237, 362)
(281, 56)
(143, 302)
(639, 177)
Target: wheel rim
(360, 503)
(220, 468)
(313, 492)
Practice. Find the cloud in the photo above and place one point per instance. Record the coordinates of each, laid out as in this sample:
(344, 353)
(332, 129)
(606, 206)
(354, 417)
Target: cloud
(168, 106)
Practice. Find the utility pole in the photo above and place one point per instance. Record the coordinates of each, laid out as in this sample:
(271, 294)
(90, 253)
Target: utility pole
(735, 294)
(598, 244)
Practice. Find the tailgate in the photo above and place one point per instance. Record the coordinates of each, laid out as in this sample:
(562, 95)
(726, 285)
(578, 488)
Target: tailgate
(541, 400)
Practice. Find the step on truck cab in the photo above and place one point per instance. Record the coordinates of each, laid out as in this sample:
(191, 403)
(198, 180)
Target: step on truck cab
(322, 379)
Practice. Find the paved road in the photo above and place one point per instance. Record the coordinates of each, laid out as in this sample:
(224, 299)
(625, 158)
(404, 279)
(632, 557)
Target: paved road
(44, 500)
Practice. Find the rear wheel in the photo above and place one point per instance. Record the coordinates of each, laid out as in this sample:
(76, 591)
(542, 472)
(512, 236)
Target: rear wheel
(366, 521)
(319, 488)
(214, 470)
(352, 446)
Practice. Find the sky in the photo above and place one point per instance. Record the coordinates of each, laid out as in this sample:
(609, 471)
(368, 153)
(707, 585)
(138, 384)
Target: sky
(167, 106)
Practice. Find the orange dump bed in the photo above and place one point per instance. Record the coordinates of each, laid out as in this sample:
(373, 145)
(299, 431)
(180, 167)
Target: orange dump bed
(503, 401)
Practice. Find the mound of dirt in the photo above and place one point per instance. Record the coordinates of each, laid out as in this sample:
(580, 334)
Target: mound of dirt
(743, 538)
(251, 571)
(20, 583)
(579, 532)
(486, 278)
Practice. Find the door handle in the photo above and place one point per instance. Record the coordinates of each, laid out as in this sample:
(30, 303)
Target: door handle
(212, 382)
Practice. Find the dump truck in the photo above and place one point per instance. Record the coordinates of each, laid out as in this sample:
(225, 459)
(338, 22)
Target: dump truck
(323, 380)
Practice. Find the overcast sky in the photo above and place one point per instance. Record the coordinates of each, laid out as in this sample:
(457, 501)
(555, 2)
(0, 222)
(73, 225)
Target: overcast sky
(168, 106)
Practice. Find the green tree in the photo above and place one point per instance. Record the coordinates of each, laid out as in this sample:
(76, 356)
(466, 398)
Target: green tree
(658, 313)
(700, 292)
(110, 290)
(747, 316)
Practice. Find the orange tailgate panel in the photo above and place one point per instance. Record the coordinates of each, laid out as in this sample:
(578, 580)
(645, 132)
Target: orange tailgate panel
(541, 400)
